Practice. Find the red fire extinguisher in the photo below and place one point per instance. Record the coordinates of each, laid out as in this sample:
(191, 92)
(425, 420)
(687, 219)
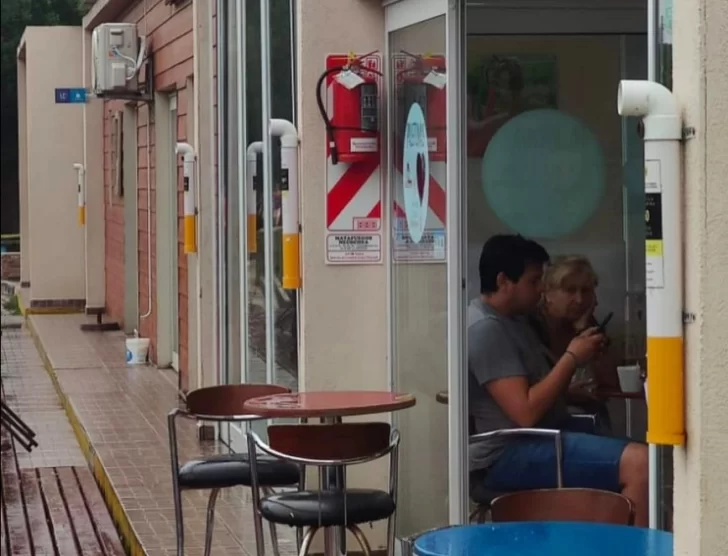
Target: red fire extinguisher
(352, 131)
(424, 82)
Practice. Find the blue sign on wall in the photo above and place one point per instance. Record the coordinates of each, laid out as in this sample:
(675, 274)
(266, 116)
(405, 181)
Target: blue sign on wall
(71, 96)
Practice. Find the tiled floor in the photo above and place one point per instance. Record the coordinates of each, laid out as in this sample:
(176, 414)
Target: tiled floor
(123, 411)
(30, 393)
(50, 502)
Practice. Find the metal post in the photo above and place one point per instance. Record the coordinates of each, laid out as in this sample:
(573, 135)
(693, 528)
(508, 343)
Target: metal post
(655, 454)
(265, 105)
(222, 138)
(458, 482)
(652, 40)
(242, 132)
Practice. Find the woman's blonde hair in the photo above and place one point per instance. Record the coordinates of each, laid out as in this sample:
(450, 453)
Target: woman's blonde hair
(563, 268)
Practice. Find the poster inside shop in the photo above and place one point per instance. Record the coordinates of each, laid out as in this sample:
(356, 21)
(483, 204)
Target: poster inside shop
(415, 237)
(430, 248)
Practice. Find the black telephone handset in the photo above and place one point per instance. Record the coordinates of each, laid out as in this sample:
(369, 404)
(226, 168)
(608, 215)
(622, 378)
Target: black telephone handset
(602, 326)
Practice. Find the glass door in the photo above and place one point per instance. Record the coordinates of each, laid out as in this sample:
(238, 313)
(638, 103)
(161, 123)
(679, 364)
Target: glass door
(258, 318)
(425, 264)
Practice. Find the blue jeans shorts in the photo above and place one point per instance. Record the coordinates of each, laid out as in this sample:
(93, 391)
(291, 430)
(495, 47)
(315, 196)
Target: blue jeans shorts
(589, 461)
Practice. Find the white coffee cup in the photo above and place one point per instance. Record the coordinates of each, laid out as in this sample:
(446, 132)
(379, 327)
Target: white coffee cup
(630, 378)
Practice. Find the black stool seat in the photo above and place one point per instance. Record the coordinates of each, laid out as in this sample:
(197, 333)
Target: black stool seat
(327, 508)
(234, 470)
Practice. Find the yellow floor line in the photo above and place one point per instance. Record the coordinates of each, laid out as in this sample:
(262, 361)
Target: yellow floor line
(128, 536)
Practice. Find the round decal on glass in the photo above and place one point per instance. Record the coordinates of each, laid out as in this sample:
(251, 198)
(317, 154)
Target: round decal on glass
(416, 172)
(544, 174)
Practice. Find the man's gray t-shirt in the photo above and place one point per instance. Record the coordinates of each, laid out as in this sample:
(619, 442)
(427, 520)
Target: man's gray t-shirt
(501, 347)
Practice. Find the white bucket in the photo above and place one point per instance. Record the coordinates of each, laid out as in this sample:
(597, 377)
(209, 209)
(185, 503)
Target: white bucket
(136, 351)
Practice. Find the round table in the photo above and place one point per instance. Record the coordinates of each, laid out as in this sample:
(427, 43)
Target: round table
(443, 396)
(544, 539)
(330, 404)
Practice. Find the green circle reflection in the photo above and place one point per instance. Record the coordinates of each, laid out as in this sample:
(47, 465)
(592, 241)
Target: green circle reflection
(543, 173)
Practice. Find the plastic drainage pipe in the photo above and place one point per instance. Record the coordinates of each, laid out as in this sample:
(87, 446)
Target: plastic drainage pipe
(662, 133)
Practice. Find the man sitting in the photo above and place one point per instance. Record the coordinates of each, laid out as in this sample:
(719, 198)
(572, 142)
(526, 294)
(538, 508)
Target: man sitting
(512, 384)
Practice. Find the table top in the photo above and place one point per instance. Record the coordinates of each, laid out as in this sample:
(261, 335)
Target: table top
(544, 539)
(328, 404)
(616, 393)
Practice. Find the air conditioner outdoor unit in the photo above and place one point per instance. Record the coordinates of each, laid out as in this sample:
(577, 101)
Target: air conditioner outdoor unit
(116, 54)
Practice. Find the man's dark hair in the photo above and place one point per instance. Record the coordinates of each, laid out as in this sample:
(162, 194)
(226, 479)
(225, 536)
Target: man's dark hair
(509, 254)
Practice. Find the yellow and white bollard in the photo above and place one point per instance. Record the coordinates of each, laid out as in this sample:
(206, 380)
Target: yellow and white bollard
(289, 202)
(81, 192)
(662, 126)
(190, 213)
(251, 198)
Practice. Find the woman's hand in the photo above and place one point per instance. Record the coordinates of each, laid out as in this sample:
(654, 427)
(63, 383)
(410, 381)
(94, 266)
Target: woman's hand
(587, 319)
(586, 346)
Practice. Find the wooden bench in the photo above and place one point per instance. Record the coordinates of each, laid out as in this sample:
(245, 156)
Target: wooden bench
(52, 510)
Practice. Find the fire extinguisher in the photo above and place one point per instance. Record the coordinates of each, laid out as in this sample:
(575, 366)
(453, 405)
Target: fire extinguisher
(352, 131)
(424, 82)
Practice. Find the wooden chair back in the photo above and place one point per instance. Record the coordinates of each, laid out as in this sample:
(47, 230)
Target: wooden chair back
(565, 504)
(227, 400)
(330, 442)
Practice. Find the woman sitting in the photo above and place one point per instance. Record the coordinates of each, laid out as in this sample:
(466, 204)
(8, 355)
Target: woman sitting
(566, 309)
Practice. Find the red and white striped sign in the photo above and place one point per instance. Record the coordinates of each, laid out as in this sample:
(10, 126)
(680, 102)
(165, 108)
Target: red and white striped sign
(353, 193)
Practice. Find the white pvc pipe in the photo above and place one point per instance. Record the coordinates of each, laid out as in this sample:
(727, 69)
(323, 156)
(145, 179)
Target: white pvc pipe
(81, 193)
(188, 177)
(289, 202)
(148, 172)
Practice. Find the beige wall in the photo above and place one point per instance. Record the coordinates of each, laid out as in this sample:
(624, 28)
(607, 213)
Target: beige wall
(23, 171)
(93, 160)
(343, 309)
(343, 332)
(701, 85)
(54, 135)
(201, 118)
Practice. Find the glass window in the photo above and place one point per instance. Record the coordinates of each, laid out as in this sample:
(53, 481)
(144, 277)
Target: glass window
(664, 43)
(282, 106)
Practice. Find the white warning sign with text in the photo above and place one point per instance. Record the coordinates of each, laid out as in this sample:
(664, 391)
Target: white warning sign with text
(353, 248)
(430, 248)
